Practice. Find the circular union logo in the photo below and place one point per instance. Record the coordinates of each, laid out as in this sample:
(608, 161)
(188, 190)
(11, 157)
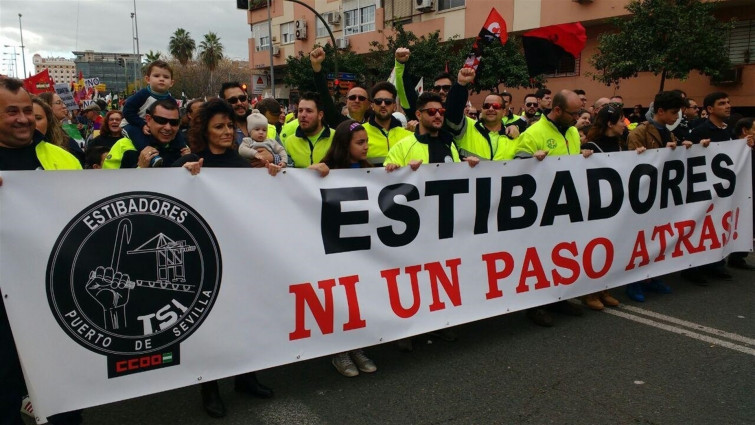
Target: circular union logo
(133, 273)
(551, 143)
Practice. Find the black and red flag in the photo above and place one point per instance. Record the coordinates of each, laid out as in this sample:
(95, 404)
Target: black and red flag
(545, 47)
(493, 29)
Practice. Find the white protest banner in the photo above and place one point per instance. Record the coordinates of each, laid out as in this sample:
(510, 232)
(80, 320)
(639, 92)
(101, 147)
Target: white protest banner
(148, 280)
(91, 82)
(64, 91)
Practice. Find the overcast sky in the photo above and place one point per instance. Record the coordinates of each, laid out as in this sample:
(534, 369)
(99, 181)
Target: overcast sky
(58, 27)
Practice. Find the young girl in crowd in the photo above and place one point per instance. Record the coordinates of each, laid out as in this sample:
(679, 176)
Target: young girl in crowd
(348, 150)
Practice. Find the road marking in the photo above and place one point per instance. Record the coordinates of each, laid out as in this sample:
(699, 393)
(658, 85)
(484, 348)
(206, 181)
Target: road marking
(681, 331)
(692, 325)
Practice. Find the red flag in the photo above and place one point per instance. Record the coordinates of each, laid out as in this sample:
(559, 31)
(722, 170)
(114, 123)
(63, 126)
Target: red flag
(39, 83)
(493, 29)
(544, 47)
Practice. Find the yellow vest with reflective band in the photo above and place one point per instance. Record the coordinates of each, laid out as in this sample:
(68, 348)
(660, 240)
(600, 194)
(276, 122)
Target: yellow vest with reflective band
(379, 142)
(55, 158)
(288, 129)
(409, 149)
(304, 151)
(543, 135)
(272, 132)
(115, 156)
(476, 142)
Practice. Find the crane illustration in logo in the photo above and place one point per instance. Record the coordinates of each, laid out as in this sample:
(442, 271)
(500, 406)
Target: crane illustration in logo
(111, 287)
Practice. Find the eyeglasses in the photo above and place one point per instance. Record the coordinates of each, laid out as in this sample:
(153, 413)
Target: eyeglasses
(162, 120)
(575, 114)
(496, 106)
(115, 119)
(444, 87)
(473, 115)
(433, 111)
(530, 104)
(381, 101)
(233, 99)
(354, 97)
(694, 107)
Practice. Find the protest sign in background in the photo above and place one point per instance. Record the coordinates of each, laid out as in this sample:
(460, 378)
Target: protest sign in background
(149, 280)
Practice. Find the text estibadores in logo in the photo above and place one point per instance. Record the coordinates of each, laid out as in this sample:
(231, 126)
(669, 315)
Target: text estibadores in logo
(132, 276)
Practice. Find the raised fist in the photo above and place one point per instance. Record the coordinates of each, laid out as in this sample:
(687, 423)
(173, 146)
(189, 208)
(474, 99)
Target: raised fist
(402, 54)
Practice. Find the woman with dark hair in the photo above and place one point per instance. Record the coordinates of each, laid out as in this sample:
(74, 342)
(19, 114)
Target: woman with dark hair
(48, 124)
(605, 134)
(111, 131)
(348, 150)
(211, 138)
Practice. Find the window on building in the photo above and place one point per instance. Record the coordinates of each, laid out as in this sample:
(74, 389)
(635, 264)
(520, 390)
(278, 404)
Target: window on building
(741, 42)
(261, 36)
(321, 30)
(358, 16)
(287, 33)
(568, 66)
(449, 4)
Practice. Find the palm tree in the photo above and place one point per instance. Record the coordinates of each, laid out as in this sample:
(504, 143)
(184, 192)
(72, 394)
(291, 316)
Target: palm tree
(210, 52)
(182, 46)
(152, 56)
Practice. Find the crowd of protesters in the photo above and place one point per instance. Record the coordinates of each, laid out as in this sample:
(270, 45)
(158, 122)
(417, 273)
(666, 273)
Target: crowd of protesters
(380, 126)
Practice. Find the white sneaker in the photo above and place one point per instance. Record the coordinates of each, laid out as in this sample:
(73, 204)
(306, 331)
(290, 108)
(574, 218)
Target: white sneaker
(343, 364)
(26, 407)
(363, 362)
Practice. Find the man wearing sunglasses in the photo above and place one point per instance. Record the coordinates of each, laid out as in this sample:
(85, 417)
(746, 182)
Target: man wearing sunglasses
(487, 136)
(383, 129)
(163, 148)
(531, 114)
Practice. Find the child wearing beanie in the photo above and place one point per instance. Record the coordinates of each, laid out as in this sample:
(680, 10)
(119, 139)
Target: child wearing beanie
(257, 124)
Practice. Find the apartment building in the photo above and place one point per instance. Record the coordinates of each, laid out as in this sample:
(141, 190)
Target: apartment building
(61, 70)
(356, 23)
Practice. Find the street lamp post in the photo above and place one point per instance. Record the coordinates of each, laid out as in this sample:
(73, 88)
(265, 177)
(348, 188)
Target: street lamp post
(23, 55)
(136, 37)
(14, 59)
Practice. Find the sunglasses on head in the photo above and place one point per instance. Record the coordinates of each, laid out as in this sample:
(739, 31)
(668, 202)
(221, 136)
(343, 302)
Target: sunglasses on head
(530, 104)
(433, 111)
(233, 99)
(162, 120)
(496, 106)
(445, 87)
(380, 101)
(354, 97)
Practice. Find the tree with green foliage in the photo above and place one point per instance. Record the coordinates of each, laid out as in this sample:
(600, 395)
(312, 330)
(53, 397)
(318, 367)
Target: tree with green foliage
(666, 37)
(430, 55)
(502, 64)
(299, 69)
(210, 52)
(151, 56)
(182, 46)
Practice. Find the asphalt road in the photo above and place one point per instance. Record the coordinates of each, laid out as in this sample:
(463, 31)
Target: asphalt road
(683, 358)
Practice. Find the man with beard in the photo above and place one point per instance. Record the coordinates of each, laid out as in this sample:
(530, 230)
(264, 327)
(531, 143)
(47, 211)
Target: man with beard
(383, 129)
(431, 144)
(233, 93)
(312, 138)
(554, 135)
(531, 115)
